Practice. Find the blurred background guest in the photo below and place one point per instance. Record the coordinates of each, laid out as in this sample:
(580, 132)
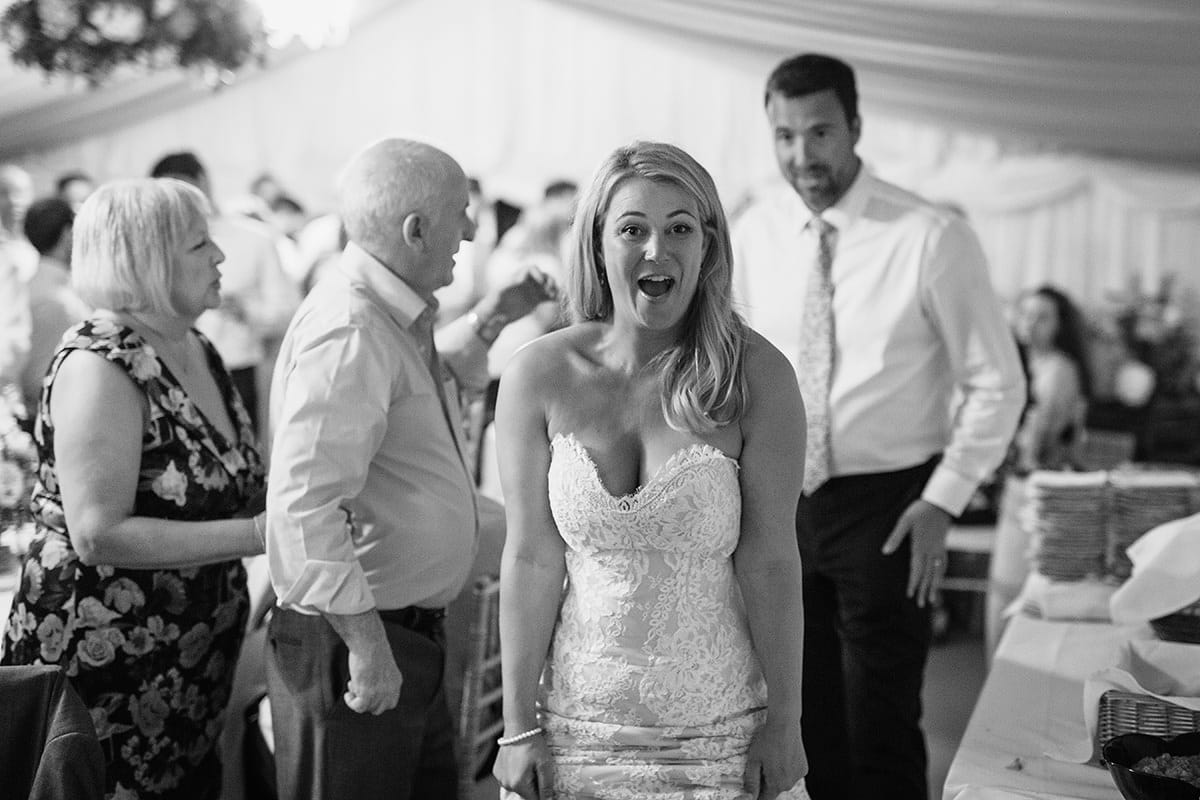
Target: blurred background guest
(493, 219)
(319, 244)
(16, 194)
(134, 583)
(53, 305)
(1050, 335)
(537, 240)
(266, 187)
(18, 261)
(286, 217)
(74, 187)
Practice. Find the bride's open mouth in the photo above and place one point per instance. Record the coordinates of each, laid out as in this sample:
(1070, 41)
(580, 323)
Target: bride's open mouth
(655, 285)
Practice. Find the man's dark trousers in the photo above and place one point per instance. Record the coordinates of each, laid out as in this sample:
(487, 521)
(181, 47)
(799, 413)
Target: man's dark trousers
(325, 751)
(865, 641)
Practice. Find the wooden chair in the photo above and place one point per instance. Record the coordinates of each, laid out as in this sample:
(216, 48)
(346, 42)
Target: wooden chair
(480, 717)
(972, 545)
(968, 551)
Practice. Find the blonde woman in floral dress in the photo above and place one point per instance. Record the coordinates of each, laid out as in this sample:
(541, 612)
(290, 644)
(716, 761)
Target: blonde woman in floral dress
(134, 584)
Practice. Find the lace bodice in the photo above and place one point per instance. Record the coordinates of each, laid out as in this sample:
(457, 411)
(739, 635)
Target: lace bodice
(652, 629)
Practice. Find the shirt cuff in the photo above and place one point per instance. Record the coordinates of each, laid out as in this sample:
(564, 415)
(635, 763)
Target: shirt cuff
(328, 587)
(948, 490)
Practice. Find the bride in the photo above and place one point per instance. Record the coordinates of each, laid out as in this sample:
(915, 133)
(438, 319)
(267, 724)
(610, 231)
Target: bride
(651, 455)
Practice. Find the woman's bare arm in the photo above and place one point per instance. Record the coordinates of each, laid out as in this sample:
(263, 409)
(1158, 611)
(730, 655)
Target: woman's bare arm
(99, 417)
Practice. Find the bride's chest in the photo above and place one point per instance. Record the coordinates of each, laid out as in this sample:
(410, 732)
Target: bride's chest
(692, 502)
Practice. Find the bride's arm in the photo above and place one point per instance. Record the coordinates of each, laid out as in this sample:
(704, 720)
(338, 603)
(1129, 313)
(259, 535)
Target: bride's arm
(532, 567)
(767, 561)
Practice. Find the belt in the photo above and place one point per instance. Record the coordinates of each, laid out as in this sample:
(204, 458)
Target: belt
(425, 621)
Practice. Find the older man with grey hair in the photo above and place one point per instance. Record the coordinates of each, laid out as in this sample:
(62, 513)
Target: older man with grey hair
(371, 507)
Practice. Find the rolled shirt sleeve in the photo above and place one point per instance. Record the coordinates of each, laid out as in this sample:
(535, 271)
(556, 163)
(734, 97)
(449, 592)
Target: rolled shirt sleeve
(331, 416)
(370, 502)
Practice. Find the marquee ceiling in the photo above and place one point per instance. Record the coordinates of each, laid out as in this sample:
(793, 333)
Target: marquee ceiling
(1109, 77)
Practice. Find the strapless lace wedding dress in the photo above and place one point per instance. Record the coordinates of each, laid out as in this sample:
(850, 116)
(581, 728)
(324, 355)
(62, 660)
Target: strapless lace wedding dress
(652, 689)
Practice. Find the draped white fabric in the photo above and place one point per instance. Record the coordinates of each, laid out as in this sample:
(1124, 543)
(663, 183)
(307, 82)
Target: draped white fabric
(1107, 76)
(1068, 130)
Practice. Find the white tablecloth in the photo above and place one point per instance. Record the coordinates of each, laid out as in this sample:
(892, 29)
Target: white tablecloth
(1032, 702)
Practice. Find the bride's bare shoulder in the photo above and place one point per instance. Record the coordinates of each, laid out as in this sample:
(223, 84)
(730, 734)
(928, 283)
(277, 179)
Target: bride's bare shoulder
(566, 349)
(769, 375)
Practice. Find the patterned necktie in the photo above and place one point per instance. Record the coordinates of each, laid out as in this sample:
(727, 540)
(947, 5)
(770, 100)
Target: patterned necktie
(816, 357)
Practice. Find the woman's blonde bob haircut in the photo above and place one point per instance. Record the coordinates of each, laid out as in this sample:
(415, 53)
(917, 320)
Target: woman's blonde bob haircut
(125, 241)
(702, 382)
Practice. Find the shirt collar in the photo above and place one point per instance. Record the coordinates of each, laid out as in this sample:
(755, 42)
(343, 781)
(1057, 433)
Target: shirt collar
(848, 207)
(55, 269)
(401, 302)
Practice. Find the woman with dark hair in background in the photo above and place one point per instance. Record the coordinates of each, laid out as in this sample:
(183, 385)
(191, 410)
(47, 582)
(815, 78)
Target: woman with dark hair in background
(1050, 334)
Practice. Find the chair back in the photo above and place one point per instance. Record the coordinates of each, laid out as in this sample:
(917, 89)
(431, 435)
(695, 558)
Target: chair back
(48, 745)
(480, 712)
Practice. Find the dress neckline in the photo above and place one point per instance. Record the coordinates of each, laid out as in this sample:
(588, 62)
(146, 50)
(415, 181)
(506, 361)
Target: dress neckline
(688, 454)
(221, 443)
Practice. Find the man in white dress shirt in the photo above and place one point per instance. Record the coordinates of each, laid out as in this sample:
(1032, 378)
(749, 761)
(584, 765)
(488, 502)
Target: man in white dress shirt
(371, 510)
(910, 317)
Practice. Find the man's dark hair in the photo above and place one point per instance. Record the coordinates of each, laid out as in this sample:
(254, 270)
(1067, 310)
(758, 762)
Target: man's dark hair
(182, 163)
(45, 222)
(560, 188)
(809, 73)
(286, 203)
(264, 177)
(67, 178)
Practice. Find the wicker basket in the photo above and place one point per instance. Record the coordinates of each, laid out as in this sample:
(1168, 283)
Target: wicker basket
(1126, 712)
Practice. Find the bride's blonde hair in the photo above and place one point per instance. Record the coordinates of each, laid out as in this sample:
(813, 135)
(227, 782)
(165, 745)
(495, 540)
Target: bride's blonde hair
(703, 386)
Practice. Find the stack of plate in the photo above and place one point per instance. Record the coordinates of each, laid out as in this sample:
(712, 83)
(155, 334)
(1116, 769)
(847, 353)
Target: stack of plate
(1066, 517)
(1143, 500)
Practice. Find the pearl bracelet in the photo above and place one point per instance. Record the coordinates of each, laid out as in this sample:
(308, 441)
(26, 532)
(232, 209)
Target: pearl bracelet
(520, 737)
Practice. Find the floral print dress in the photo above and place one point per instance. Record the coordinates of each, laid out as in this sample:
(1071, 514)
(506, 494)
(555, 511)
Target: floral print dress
(150, 651)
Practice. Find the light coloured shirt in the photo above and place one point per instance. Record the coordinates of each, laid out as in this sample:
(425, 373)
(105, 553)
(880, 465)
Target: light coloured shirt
(915, 318)
(53, 308)
(20, 253)
(1051, 434)
(362, 435)
(506, 266)
(14, 312)
(258, 297)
